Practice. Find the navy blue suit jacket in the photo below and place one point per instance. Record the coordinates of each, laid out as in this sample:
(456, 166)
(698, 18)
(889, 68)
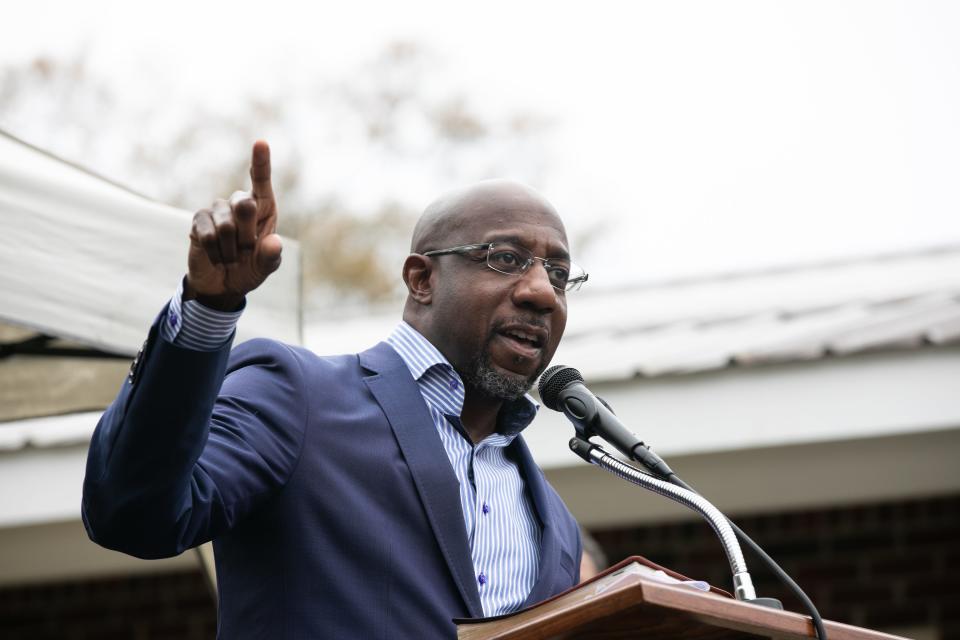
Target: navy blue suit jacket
(321, 480)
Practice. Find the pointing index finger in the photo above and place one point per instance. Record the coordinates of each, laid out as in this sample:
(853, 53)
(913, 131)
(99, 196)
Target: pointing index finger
(260, 171)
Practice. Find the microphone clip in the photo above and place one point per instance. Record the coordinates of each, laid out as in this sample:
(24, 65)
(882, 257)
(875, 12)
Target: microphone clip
(582, 447)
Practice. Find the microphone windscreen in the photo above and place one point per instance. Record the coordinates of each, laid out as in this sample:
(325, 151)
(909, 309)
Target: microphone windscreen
(553, 381)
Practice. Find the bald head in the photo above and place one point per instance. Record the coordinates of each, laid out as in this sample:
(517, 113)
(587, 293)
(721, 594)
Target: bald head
(498, 329)
(454, 216)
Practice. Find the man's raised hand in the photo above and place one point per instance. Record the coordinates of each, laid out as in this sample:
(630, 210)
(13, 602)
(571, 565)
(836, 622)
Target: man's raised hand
(233, 244)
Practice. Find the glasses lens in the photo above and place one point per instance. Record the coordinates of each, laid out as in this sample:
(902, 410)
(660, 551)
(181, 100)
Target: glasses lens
(559, 273)
(508, 258)
(576, 277)
(511, 259)
(575, 283)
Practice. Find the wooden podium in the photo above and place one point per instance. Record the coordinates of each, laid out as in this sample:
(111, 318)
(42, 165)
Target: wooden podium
(633, 600)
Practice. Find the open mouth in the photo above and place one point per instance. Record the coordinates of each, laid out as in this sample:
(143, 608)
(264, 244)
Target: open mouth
(523, 337)
(526, 341)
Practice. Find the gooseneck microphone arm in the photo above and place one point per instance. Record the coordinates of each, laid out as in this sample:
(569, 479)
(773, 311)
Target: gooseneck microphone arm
(562, 389)
(742, 583)
(777, 570)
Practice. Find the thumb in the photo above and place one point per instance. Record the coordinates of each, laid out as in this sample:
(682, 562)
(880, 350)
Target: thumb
(268, 256)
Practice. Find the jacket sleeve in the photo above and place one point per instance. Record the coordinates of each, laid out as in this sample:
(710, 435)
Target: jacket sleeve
(192, 443)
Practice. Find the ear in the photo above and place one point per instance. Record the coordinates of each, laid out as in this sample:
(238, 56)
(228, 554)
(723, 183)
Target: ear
(417, 275)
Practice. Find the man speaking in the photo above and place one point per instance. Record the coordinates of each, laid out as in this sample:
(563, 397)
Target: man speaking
(371, 495)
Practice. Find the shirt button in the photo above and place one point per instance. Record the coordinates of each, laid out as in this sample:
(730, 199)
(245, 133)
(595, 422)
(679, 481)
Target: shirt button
(486, 508)
(172, 319)
(454, 383)
(482, 579)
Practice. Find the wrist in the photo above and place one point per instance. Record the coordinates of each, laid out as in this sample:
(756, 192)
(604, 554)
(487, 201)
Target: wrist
(226, 302)
(218, 302)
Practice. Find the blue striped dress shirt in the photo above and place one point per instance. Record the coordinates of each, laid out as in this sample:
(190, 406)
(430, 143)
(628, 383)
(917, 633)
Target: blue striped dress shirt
(190, 324)
(502, 528)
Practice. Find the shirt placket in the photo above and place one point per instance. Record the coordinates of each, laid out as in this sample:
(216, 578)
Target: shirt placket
(481, 511)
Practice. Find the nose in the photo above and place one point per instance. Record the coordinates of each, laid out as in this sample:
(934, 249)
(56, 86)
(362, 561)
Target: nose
(534, 291)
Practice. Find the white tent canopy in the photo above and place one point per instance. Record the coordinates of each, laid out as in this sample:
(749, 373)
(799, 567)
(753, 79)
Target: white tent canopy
(88, 260)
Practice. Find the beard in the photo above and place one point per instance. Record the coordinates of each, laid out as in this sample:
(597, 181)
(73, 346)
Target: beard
(492, 383)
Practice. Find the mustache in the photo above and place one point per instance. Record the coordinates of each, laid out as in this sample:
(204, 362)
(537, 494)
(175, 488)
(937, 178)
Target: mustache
(529, 320)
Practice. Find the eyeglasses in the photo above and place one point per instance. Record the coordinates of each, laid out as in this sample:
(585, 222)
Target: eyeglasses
(513, 260)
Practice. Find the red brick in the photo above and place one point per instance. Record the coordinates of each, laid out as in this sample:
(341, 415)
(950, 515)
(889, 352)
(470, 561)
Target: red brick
(945, 588)
(862, 594)
(901, 564)
(897, 616)
(951, 560)
(792, 548)
(127, 608)
(948, 535)
(816, 571)
(862, 541)
(946, 508)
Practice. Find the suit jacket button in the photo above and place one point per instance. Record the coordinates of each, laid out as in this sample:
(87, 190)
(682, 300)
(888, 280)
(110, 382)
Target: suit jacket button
(135, 365)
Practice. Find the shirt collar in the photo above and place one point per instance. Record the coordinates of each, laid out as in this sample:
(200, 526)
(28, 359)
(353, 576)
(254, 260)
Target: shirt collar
(417, 352)
(441, 385)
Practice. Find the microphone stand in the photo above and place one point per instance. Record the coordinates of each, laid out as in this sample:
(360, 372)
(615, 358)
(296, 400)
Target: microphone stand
(819, 629)
(562, 389)
(645, 455)
(742, 583)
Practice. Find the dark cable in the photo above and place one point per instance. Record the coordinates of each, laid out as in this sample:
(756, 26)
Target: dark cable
(556, 379)
(770, 562)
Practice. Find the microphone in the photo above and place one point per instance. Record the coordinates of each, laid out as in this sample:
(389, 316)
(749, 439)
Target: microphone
(562, 389)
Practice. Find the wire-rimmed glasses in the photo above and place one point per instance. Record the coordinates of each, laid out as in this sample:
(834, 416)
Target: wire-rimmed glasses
(514, 260)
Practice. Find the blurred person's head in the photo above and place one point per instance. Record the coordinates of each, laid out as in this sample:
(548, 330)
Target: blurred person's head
(594, 560)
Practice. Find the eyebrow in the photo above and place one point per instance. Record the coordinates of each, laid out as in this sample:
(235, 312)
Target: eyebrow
(563, 254)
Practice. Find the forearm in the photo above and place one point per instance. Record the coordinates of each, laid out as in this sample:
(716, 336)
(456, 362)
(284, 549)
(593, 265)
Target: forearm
(144, 451)
(193, 443)
(166, 471)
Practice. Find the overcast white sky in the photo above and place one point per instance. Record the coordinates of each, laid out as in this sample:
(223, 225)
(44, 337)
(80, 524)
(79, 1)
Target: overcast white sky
(711, 135)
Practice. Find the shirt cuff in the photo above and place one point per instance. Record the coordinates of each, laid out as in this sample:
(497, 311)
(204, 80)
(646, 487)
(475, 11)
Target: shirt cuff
(191, 325)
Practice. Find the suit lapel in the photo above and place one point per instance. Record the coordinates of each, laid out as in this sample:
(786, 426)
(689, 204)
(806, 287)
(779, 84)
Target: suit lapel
(399, 396)
(545, 585)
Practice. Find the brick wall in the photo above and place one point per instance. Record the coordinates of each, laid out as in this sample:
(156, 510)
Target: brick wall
(158, 607)
(890, 566)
